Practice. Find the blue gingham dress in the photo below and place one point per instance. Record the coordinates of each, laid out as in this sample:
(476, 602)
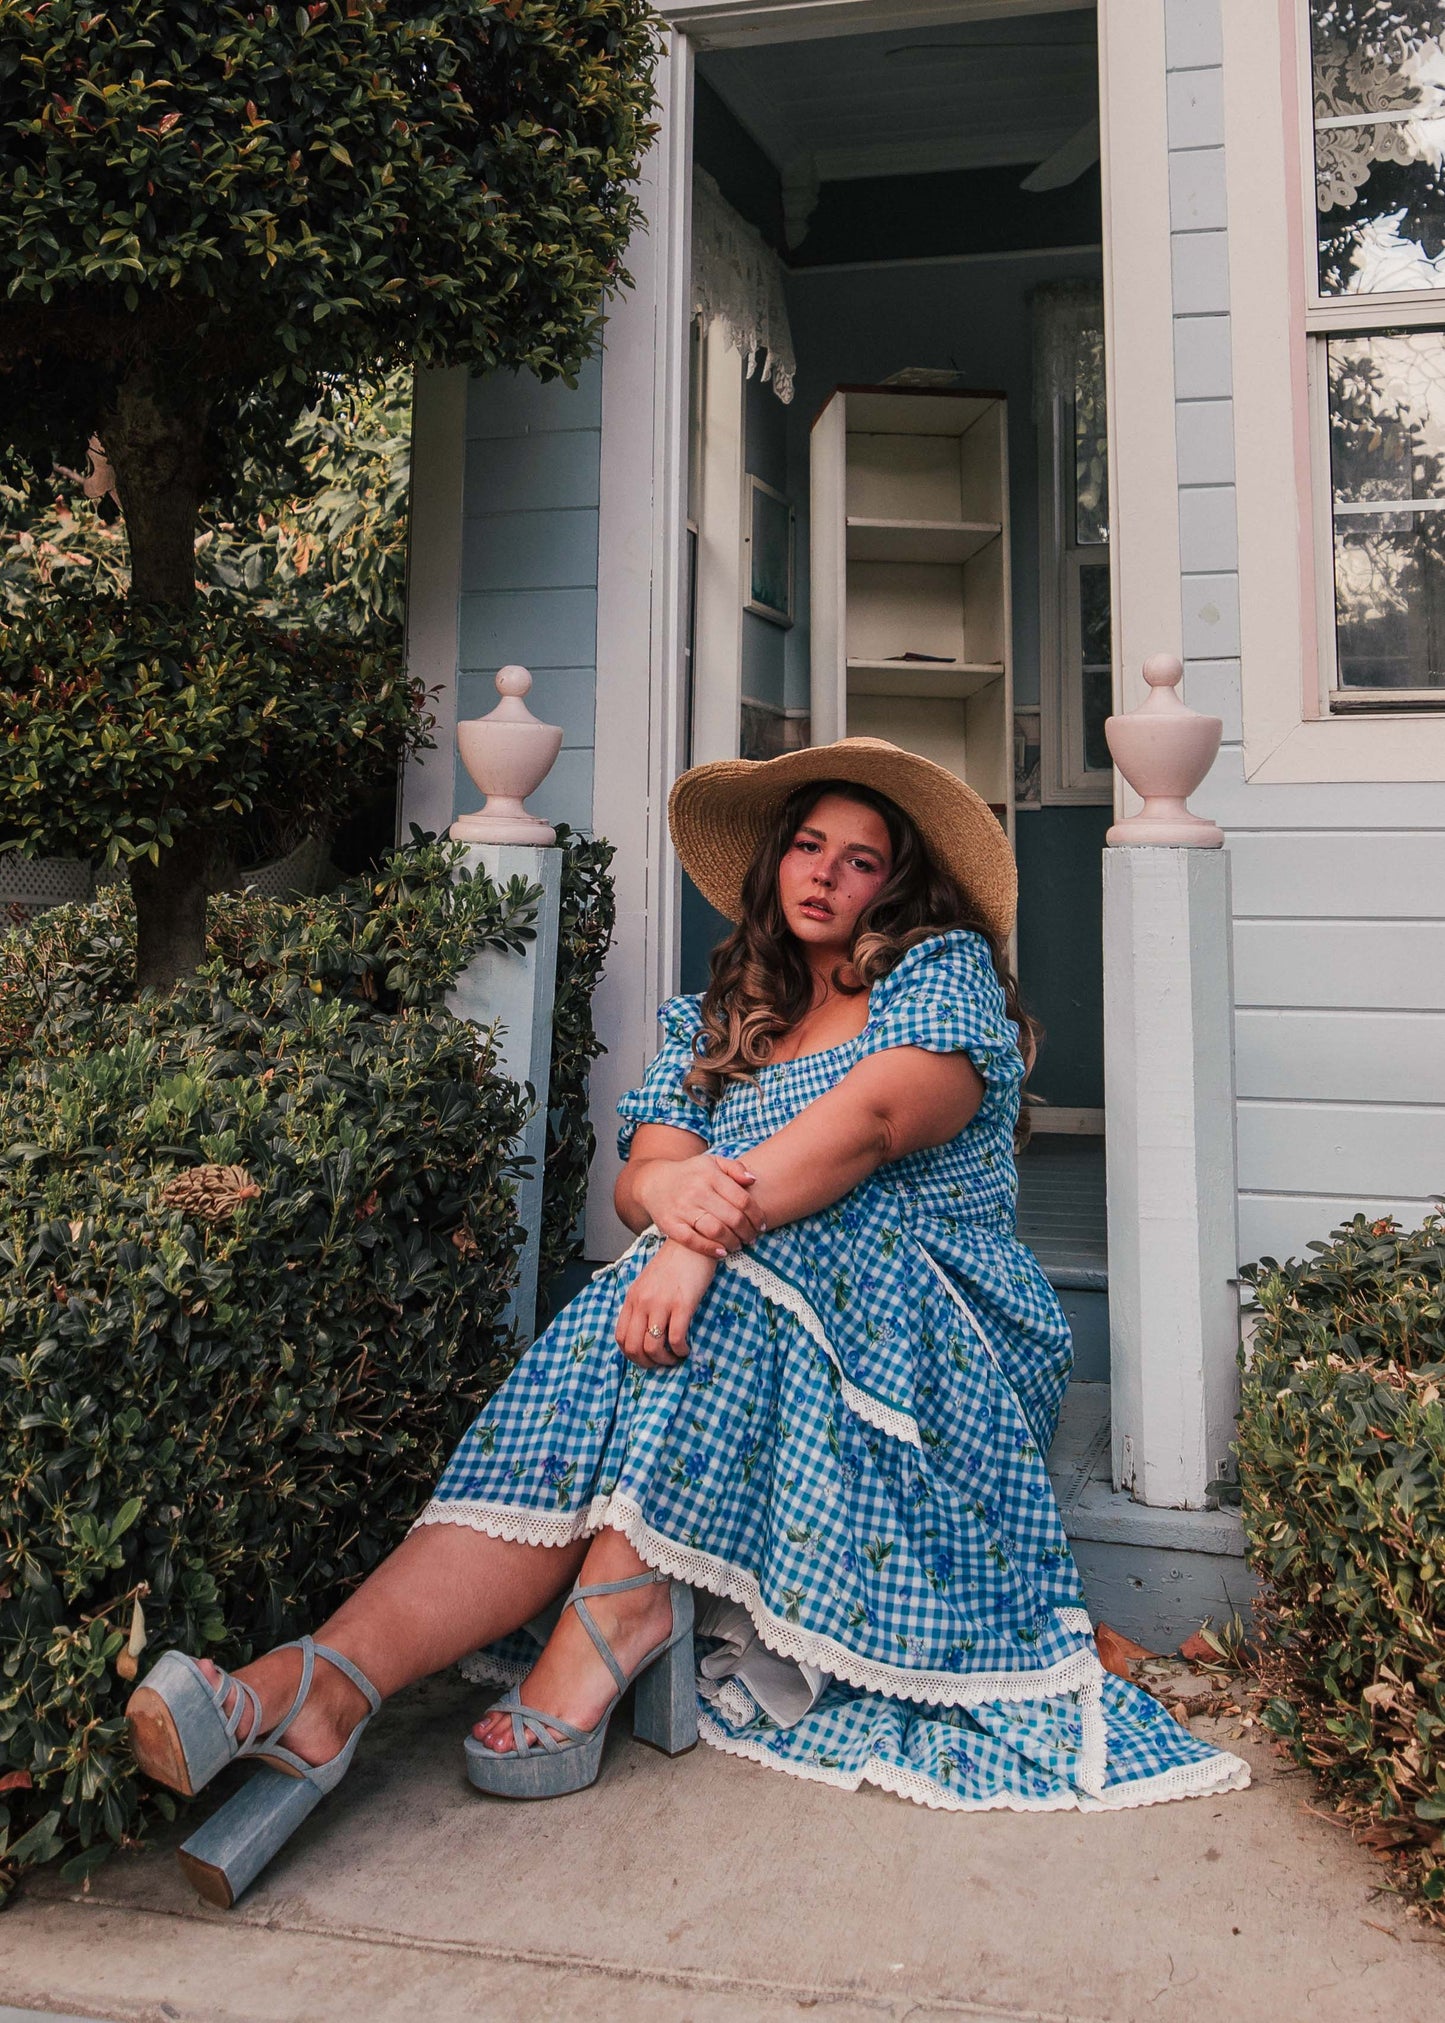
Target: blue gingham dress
(854, 1449)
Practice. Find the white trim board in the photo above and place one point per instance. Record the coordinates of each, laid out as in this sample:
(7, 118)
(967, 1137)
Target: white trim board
(641, 612)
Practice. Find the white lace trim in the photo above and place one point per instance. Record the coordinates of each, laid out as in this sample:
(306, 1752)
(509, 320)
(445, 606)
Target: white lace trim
(484, 1669)
(1214, 1774)
(887, 1418)
(738, 278)
(703, 1570)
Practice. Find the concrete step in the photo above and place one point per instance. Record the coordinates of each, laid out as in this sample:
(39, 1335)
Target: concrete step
(1154, 1575)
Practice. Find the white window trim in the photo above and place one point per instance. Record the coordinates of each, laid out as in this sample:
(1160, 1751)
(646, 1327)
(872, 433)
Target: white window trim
(1288, 734)
(717, 670)
(1064, 780)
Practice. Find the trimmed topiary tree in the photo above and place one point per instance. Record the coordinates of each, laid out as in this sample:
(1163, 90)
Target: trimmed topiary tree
(210, 213)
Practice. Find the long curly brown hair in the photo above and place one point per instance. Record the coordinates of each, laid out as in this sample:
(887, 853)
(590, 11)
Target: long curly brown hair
(761, 985)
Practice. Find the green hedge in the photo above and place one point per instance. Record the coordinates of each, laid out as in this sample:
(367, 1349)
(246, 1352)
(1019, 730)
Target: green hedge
(256, 1241)
(131, 730)
(1342, 1473)
(588, 914)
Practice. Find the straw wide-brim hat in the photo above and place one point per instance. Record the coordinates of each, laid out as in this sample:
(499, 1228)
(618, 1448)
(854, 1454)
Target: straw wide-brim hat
(720, 813)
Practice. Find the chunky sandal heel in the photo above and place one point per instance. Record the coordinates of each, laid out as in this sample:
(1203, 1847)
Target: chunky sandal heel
(226, 1855)
(540, 1766)
(664, 1707)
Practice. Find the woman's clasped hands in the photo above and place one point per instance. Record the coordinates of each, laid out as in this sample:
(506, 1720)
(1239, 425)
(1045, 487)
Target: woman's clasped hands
(703, 1202)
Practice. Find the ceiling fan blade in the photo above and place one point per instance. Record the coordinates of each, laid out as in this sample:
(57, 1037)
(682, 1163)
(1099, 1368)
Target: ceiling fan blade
(1066, 164)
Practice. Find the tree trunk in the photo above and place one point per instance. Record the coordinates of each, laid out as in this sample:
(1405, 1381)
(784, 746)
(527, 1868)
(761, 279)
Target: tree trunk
(170, 909)
(155, 439)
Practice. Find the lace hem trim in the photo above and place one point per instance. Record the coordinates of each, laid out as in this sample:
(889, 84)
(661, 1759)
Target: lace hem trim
(887, 1418)
(702, 1570)
(1215, 1774)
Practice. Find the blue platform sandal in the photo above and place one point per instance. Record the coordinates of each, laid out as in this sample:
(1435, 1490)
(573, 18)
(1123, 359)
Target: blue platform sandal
(182, 1734)
(664, 1710)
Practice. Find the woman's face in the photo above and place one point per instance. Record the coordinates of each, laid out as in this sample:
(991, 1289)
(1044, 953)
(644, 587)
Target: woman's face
(837, 863)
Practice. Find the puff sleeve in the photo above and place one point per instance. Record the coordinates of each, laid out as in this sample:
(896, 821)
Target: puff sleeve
(945, 996)
(661, 1098)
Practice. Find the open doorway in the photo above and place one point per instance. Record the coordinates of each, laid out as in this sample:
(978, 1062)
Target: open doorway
(915, 543)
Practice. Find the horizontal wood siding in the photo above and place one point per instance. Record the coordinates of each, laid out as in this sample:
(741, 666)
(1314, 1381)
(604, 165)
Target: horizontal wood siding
(1340, 1055)
(529, 567)
(1338, 893)
(1377, 965)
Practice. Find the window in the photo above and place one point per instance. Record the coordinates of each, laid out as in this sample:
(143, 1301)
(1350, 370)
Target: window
(1376, 322)
(1076, 631)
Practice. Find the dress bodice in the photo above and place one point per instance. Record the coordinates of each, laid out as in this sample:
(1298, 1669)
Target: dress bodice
(943, 996)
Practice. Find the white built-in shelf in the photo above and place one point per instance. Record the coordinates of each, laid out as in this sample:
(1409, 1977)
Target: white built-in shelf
(945, 680)
(918, 540)
(910, 551)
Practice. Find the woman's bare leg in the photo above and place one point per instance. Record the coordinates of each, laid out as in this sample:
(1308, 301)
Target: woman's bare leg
(445, 1591)
(569, 1678)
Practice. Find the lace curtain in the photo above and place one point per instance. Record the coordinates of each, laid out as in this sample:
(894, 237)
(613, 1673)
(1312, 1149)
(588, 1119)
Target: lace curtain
(737, 278)
(1068, 341)
(1369, 110)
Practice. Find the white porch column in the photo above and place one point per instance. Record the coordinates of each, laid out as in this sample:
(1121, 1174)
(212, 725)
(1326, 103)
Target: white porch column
(1169, 1110)
(518, 990)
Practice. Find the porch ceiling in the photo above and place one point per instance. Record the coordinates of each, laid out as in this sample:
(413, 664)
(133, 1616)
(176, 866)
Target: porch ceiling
(971, 94)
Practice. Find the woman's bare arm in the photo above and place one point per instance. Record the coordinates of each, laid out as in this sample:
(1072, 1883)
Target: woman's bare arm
(895, 1102)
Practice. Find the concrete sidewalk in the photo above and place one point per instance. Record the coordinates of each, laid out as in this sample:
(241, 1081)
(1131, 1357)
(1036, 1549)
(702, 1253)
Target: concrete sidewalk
(715, 1891)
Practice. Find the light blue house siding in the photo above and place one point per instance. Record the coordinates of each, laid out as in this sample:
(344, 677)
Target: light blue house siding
(529, 565)
(1339, 909)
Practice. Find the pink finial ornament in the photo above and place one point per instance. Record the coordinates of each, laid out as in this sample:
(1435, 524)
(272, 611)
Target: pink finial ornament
(508, 754)
(1164, 750)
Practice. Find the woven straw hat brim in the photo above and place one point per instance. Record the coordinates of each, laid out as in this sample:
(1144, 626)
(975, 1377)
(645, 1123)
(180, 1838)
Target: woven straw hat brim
(719, 814)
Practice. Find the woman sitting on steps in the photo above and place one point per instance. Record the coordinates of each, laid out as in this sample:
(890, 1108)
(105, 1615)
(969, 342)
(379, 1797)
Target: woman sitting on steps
(819, 1389)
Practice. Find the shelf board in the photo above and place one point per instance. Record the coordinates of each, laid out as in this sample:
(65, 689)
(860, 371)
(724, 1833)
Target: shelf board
(918, 540)
(944, 680)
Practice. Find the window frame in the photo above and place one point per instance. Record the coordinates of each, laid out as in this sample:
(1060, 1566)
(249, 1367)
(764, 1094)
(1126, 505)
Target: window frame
(1289, 735)
(1328, 316)
(1065, 781)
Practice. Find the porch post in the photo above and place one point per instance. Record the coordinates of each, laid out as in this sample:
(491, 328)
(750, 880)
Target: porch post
(1169, 1112)
(508, 754)
(517, 991)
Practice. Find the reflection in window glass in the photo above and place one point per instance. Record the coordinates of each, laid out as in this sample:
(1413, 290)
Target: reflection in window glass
(1095, 655)
(1091, 447)
(1379, 119)
(1387, 456)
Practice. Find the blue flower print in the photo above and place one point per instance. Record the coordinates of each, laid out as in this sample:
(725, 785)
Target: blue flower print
(559, 1476)
(938, 1570)
(689, 1469)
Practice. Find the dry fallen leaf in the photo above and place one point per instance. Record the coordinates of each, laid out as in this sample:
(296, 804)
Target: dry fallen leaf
(17, 1780)
(1119, 1654)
